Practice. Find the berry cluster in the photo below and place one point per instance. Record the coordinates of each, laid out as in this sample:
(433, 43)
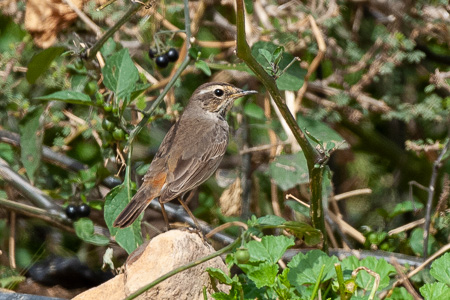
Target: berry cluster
(77, 211)
(163, 60)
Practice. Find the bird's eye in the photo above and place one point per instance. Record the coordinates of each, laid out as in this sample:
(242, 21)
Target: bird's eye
(218, 92)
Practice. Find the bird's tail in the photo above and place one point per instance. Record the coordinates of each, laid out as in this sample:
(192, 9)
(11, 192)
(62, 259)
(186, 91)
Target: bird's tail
(146, 193)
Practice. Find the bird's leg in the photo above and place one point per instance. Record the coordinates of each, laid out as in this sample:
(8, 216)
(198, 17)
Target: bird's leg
(186, 208)
(166, 219)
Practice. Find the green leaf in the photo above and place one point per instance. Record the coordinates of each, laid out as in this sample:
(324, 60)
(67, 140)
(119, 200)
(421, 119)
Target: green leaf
(440, 269)
(248, 6)
(294, 205)
(266, 54)
(271, 248)
(289, 170)
(128, 238)
(364, 279)
(84, 228)
(400, 293)
(68, 97)
(305, 268)
(220, 275)
(138, 90)
(120, 74)
(416, 242)
(292, 79)
(435, 291)
(264, 275)
(203, 66)
(277, 55)
(31, 135)
(322, 132)
(255, 111)
(404, 207)
(271, 220)
(311, 235)
(40, 62)
(108, 48)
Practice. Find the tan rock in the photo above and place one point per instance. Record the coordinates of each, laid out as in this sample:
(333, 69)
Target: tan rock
(161, 255)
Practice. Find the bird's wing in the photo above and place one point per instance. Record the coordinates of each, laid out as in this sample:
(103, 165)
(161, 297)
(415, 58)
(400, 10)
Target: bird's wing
(201, 155)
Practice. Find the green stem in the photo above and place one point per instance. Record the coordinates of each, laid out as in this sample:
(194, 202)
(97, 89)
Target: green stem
(182, 268)
(312, 156)
(184, 64)
(91, 52)
(340, 278)
(316, 286)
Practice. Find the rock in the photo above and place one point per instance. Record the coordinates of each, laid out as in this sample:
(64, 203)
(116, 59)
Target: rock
(162, 254)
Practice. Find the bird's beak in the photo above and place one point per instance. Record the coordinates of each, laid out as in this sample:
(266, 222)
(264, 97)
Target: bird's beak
(242, 93)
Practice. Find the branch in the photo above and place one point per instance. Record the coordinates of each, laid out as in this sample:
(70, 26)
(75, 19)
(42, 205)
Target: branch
(314, 158)
(436, 166)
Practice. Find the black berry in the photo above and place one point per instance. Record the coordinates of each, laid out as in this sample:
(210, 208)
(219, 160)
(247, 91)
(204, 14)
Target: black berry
(71, 212)
(162, 61)
(172, 54)
(151, 53)
(83, 210)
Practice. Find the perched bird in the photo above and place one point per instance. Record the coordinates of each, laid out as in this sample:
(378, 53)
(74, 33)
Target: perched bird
(190, 152)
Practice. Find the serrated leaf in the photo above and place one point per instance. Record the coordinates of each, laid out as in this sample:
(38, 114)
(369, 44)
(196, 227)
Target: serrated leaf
(293, 78)
(440, 269)
(31, 135)
(322, 132)
(120, 74)
(365, 280)
(203, 66)
(84, 228)
(264, 275)
(68, 97)
(305, 268)
(40, 62)
(271, 248)
(400, 293)
(289, 170)
(435, 291)
(254, 111)
(128, 238)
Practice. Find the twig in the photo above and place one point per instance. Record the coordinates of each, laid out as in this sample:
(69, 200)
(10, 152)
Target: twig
(30, 192)
(419, 268)
(431, 187)
(91, 52)
(34, 212)
(155, 104)
(406, 227)
(406, 283)
(12, 240)
(352, 194)
(84, 17)
(372, 273)
(316, 61)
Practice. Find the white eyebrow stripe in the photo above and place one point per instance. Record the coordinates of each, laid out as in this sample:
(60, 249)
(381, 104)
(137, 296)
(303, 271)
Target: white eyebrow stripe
(209, 89)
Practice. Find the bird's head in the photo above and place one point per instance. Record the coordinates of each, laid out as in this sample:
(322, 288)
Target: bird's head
(217, 97)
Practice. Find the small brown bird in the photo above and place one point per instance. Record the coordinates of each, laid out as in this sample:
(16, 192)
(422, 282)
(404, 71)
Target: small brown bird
(190, 152)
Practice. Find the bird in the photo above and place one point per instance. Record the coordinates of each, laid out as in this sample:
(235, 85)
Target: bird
(190, 152)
